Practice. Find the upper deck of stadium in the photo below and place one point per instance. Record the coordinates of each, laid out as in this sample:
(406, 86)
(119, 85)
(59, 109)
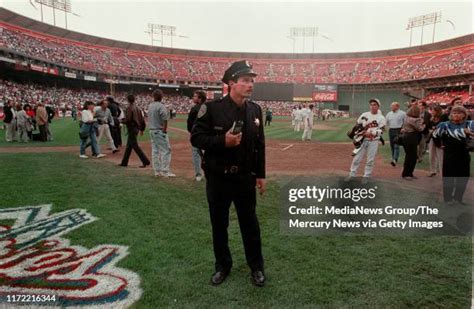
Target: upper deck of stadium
(57, 46)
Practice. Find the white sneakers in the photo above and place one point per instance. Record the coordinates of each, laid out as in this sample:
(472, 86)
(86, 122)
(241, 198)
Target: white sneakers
(198, 178)
(165, 175)
(100, 155)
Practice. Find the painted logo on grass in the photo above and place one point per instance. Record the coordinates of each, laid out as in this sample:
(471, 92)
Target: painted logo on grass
(35, 260)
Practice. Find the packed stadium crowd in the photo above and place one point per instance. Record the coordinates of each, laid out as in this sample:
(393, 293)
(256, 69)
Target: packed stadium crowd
(66, 98)
(187, 68)
(62, 99)
(447, 97)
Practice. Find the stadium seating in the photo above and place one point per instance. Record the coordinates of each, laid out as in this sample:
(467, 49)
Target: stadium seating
(83, 56)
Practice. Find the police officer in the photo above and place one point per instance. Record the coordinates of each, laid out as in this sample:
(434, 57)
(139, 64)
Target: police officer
(230, 131)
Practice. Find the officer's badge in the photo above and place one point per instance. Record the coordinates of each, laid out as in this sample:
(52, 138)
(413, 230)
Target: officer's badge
(257, 122)
(202, 111)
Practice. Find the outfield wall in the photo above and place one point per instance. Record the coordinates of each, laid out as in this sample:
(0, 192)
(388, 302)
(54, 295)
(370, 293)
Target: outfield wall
(358, 100)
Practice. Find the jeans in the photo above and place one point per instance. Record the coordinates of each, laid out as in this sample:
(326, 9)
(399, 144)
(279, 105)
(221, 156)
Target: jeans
(369, 147)
(392, 133)
(92, 138)
(161, 151)
(196, 161)
(49, 135)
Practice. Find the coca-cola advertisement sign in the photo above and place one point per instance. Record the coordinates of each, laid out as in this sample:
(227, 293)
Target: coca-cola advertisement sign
(325, 96)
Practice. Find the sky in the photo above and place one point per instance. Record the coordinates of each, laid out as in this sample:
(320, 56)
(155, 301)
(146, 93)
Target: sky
(262, 26)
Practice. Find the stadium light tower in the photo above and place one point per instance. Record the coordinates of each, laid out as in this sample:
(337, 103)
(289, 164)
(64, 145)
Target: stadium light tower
(60, 5)
(303, 32)
(422, 21)
(162, 30)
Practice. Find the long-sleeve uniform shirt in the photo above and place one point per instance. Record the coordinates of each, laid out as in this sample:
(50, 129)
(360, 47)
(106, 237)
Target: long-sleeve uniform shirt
(214, 119)
(374, 123)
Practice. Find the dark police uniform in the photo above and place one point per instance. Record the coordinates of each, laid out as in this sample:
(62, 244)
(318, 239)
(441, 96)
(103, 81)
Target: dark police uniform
(231, 174)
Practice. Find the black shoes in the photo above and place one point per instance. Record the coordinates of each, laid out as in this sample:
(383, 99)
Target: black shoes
(258, 278)
(218, 277)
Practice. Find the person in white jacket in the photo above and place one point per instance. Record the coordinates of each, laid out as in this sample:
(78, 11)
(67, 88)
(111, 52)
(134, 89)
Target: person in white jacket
(308, 122)
(374, 125)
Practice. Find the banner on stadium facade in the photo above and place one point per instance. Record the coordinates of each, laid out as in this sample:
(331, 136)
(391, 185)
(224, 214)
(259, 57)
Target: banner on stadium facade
(325, 88)
(70, 75)
(325, 96)
(43, 69)
(91, 78)
(169, 85)
(303, 99)
(142, 83)
(37, 68)
(325, 93)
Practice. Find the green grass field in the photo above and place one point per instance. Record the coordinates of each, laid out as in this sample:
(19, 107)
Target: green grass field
(165, 224)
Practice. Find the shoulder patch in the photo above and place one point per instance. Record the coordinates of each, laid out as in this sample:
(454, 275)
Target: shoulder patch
(202, 111)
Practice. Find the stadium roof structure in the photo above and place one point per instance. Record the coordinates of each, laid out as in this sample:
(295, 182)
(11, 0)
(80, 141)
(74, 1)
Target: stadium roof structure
(18, 20)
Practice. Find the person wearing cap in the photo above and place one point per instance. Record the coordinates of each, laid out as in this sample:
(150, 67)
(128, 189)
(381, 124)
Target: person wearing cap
(230, 131)
(452, 136)
(374, 123)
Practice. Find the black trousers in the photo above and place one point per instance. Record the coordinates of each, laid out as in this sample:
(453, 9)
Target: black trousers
(43, 133)
(116, 133)
(454, 188)
(410, 159)
(132, 143)
(221, 192)
(456, 173)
